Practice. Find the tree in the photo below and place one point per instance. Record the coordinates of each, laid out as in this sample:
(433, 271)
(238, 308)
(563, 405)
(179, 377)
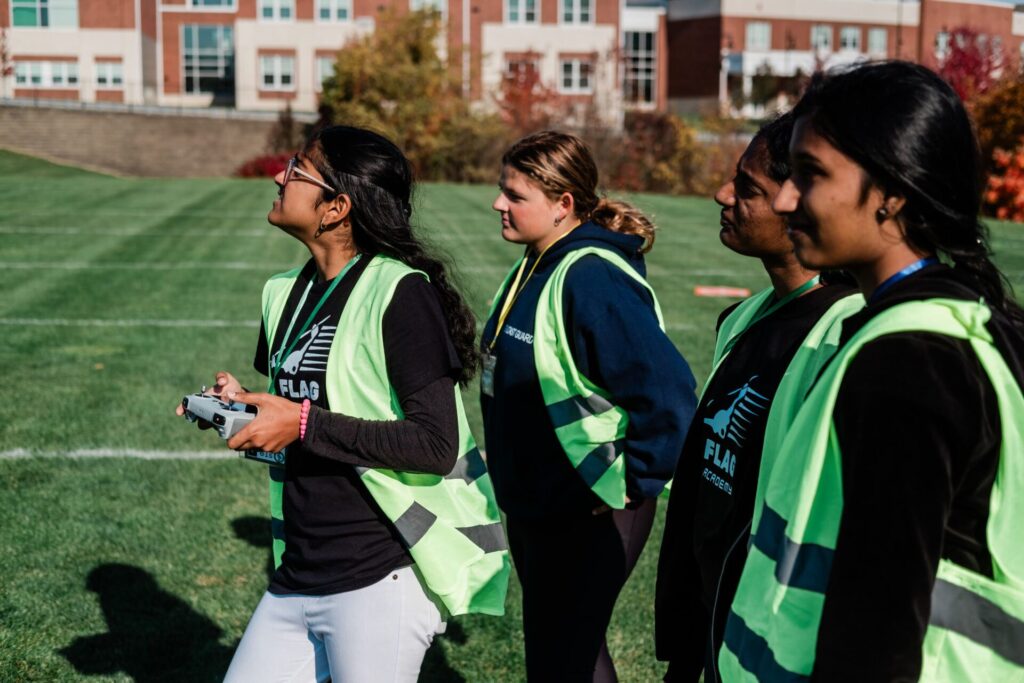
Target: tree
(525, 103)
(973, 63)
(1004, 194)
(999, 115)
(394, 81)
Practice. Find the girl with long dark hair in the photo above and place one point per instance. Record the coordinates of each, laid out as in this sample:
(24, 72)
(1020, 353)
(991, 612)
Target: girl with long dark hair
(886, 543)
(383, 517)
(586, 401)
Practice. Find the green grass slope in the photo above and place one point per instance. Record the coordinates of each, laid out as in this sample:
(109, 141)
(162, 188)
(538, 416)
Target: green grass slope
(122, 295)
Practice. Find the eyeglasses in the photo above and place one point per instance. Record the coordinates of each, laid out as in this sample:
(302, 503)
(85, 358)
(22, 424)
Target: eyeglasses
(293, 169)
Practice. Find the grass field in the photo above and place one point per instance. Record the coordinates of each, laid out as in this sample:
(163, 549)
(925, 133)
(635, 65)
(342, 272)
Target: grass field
(119, 296)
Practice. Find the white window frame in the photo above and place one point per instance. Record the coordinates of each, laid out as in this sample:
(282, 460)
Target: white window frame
(575, 10)
(845, 33)
(942, 43)
(213, 5)
(322, 73)
(522, 9)
(277, 73)
(277, 10)
(822, 30)
(640, 65)
(873, 47)
(576, 75)
(44, 11)
(112, 72)
(223, 56)
(44, 75)
(333, 8)
(758, 29)
(440, 5)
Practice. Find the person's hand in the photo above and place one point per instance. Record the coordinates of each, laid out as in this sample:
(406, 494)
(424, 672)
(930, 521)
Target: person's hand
(276, 425)
(601, 509)
(223, 384)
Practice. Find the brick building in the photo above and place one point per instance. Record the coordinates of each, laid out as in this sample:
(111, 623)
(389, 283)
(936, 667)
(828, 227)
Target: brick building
(721, 51)
(259, 54)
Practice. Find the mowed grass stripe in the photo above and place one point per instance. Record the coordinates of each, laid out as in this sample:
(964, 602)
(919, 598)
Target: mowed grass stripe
(110, 554)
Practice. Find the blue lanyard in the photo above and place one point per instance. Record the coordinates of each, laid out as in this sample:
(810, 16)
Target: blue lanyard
(903, 274)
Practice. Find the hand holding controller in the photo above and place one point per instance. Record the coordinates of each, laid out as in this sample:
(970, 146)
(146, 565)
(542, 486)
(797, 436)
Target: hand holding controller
(227, 418)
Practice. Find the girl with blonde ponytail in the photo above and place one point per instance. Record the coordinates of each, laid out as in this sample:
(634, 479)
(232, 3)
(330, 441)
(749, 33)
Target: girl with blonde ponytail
(586, 401)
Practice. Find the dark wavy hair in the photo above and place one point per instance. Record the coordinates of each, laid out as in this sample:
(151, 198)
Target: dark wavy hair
(909, 132)
(771, 143)
(378, 179)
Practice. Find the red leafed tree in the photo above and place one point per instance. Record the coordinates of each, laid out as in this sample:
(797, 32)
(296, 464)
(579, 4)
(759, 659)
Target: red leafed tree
(972, 63)
(1004, 196)
(526, 103)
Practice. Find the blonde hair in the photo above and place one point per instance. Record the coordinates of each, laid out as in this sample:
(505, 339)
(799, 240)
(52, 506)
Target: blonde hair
(561, 163)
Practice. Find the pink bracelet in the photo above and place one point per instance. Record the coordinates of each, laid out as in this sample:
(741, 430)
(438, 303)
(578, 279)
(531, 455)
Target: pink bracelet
(303, 419)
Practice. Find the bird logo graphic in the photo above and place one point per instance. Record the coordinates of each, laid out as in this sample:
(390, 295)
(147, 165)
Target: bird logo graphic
(732, 423)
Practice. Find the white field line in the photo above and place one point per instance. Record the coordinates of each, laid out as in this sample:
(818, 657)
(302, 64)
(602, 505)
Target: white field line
(47, 231)
(99, 322)
(139, 265)
(130, 232)
(86, 453)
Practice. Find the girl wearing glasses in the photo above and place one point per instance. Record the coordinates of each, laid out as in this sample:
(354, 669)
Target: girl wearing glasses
(586, 402)
(886, 543)
(383, 517)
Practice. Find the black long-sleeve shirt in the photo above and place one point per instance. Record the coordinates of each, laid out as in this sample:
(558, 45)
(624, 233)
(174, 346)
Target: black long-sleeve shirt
(336, 537)
(918, 426)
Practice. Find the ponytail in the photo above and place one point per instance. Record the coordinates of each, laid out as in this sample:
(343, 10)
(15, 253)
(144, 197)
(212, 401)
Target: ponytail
(625, 218)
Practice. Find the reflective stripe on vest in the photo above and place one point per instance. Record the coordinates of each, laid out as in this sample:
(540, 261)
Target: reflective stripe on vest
(450, 524)
(590, 428)
(976, 631)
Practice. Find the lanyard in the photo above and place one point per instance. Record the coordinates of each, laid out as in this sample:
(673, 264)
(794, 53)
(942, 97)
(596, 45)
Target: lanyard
(772, 307)
(316, 309)
(515, 290)
(903, 275)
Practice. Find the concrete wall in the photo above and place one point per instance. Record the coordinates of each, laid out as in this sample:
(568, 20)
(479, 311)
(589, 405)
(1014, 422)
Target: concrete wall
(134, 144)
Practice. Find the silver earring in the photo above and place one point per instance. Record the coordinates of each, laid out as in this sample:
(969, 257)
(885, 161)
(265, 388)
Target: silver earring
(882, 214)
(320, 230)
(557, 221)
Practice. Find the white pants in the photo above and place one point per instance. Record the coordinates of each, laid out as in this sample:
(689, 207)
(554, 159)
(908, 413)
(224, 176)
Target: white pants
(377, 633)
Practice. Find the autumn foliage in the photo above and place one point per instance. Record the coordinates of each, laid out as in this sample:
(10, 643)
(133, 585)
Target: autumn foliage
(1004, 195)
(972, 64)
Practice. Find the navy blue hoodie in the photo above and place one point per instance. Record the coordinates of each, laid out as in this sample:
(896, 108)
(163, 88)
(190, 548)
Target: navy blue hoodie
(616, 344)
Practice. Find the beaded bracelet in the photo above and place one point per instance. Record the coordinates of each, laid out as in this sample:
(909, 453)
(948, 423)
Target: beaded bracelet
(303, 419)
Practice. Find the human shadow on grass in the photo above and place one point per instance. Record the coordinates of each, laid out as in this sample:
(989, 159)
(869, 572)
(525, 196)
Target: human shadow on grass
(152, 635)
(256, 532)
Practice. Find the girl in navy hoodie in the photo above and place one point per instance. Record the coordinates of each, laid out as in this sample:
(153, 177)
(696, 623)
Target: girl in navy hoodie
(586, 401)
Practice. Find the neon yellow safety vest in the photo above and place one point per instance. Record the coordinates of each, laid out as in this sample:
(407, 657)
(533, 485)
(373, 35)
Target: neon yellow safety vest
(589, 427)
(976, 631)
(450, 524)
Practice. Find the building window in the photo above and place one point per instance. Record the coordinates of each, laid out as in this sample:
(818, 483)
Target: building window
(759, 36)
(277, 10)
(576, 12)
(333, 10)
(521, 70)
(639, 57)
(439, 5)
(878, 41)
(821, 37)
(576, 76)
(109, 75)
(849, 38)
(277, 72)
(227, 4)
(46, 74)
(521, 11)
(208, 58)
(941, 43)
(324, 70)
(56, 13)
